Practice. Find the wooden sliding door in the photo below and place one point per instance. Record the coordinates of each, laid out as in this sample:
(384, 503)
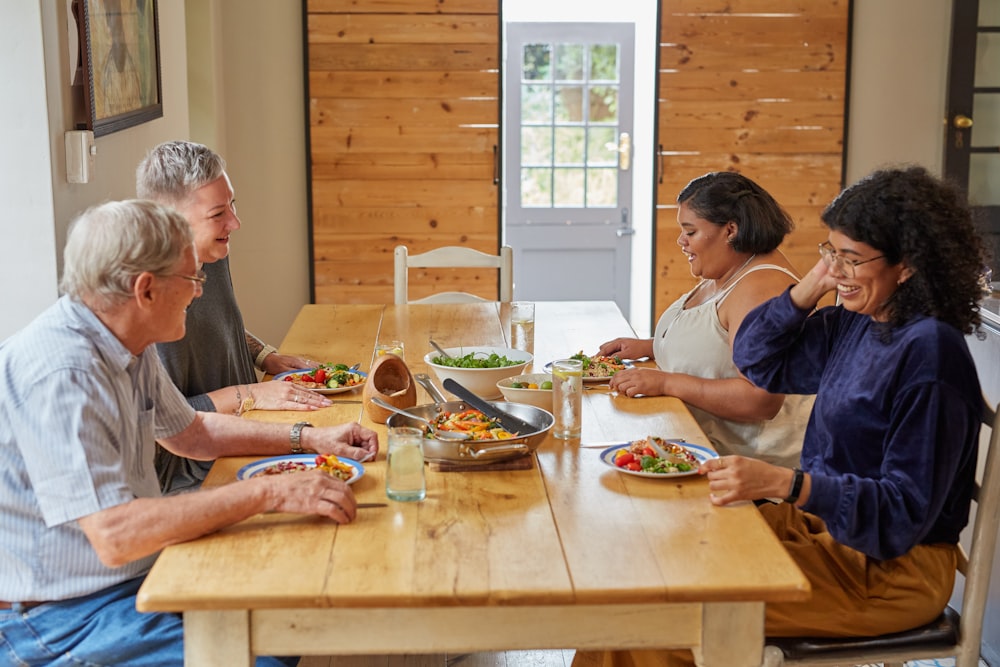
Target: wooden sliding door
(403, 138)
(758, 87)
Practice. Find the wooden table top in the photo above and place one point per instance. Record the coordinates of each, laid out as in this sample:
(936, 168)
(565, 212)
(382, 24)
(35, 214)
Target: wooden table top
(570, 530)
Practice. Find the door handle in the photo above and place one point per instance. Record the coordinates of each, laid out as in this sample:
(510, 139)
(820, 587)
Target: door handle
(624, 151)
(962, 122)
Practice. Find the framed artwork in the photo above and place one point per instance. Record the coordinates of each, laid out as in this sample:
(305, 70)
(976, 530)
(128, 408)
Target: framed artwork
(120, 51)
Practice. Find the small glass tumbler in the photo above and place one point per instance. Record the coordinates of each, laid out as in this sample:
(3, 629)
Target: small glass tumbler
(522, 326)
(404, 476)
(391, 347)
(567, 398)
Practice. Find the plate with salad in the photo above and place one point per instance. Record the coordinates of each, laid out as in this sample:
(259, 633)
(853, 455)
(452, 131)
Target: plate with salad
(657, 457)
(327, 379)
(597, 368)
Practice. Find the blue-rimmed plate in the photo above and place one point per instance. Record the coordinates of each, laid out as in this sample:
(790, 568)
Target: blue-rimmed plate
(700, 453)
(595, 378)
(280, 377)
(294, 462)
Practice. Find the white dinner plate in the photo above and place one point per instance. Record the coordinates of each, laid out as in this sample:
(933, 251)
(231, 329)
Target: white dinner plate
(628, 364)
(701, 453)
(280, 377)
(258, 467)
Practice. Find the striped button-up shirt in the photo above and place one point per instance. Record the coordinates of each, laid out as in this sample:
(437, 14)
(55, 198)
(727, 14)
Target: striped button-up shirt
(79, 415)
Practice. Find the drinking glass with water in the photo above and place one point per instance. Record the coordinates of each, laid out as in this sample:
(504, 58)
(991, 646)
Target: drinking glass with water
(404, 476)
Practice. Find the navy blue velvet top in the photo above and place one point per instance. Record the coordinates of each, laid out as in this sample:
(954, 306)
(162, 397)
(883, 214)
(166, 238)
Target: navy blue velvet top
(892, 441)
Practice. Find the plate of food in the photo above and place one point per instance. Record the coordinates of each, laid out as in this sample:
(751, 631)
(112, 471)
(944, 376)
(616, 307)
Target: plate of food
(641, 458)
(327, 379)
(346, 469)
(598, 368)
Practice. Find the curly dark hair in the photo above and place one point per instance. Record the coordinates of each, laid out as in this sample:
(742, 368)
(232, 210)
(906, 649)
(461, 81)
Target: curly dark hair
(722, 197)
(911, 216)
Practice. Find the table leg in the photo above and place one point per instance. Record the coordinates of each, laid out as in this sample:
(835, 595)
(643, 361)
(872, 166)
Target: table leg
(732, 635)
(213, 638)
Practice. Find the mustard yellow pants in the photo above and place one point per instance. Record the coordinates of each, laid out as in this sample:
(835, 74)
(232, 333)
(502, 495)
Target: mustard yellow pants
(852, 594)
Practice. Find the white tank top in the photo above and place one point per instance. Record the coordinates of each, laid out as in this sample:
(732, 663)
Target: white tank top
(693, 341)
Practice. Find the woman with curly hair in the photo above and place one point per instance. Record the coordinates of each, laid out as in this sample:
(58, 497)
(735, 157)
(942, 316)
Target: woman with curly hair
(873, 515)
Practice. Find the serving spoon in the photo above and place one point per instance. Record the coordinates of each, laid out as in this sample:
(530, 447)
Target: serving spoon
(438, 433)
(439, 349)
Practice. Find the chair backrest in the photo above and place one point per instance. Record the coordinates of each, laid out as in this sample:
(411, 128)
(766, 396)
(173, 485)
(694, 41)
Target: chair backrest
(452, 257)
(978, 566)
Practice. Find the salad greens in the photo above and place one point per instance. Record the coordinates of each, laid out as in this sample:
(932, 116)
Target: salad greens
(470, 360)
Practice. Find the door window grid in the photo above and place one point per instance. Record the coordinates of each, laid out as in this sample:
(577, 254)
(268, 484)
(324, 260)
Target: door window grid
(569, 125)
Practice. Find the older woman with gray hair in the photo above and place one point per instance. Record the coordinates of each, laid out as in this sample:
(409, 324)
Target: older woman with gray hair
(213, 365)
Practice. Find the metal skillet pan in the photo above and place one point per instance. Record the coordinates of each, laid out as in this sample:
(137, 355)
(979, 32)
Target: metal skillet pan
(476, 451)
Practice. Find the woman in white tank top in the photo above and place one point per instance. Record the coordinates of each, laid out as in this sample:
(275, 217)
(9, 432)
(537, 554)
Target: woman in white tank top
(730, 231)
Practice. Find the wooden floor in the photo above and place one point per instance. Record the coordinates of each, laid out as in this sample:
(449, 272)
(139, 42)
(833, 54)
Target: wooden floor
(500, 659)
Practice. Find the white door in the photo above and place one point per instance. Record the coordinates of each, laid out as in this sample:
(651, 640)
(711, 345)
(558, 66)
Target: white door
(568, 152)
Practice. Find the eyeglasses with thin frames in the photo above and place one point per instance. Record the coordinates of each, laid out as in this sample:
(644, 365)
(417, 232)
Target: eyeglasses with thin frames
(839, 262)
(199, 277)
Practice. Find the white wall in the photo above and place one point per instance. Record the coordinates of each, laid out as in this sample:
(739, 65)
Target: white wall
(28, 270)
(36, 201)
(898, 84)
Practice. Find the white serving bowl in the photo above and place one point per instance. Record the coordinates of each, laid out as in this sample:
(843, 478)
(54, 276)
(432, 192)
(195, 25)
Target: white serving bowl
(540, 398)
(480, 381)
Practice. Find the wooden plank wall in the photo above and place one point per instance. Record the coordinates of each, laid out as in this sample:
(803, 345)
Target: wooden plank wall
(758, 87)
(404, 112)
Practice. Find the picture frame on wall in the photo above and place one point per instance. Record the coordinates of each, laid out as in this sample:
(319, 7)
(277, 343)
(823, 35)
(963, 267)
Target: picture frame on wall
(120, 50)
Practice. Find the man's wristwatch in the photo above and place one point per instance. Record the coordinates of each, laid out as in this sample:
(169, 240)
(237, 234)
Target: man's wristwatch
(793, 493)
(295, 437)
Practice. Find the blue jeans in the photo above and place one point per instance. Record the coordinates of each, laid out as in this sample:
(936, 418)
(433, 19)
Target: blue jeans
(97, 630)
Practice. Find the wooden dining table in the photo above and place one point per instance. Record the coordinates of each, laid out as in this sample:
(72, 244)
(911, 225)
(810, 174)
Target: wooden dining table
(567, 552)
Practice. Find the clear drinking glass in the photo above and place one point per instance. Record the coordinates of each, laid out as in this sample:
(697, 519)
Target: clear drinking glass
(522, 326)
(390, 347)
(404, 476)
(567, 398)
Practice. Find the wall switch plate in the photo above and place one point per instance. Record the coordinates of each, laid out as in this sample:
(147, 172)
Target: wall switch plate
(80, 155)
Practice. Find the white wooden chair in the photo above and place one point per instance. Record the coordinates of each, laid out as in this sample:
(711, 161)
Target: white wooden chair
(453, 257)
(950, 634)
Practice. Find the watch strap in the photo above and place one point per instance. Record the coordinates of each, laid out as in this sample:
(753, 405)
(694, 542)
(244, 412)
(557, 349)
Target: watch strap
(295, 437)
(793, 493)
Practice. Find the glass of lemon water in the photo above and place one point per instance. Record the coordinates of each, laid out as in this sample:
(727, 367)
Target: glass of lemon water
(391, 347)
(522, 326)
(567, 398)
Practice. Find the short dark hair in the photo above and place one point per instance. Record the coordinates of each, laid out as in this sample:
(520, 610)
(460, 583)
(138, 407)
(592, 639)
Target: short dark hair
(722, 197)
(910, 216)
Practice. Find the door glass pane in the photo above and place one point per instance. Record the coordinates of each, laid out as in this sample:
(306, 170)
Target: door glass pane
(986, 119)
(984, 179)
(604, 62)
(569, 145)
(536, 146)
(602, 187)
(537, 64)
(536, 188)
(987, 57)
(536, 104)
(603, 104)
(569, 62)
(568, 189)
(569, 104)
(602, 148)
